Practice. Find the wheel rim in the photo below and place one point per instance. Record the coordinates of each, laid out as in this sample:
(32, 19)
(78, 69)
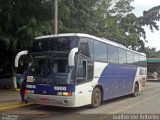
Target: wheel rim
(97, 97)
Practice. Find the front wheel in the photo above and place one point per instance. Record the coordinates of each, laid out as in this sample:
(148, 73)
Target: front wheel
(96, 98)
(136, 90)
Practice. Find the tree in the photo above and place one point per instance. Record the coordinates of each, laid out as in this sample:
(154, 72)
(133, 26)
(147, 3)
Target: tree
(150, 17)
(158, 54)
(150, 52)
(106, 18)
(20, 22)
(122, 8)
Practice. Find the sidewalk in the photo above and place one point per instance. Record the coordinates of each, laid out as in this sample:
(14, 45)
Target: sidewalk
(10, 99)
(9, 95)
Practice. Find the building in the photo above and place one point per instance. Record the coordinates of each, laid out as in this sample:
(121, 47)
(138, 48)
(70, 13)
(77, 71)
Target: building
(153, 68)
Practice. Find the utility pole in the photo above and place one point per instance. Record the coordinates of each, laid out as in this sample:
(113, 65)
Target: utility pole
(55, 16)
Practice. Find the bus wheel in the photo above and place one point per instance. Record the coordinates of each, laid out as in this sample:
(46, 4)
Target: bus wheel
(96, 98)
(136, 90)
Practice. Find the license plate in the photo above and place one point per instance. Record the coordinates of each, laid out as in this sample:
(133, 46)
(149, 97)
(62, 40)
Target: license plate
(30, 79)
(44, 100)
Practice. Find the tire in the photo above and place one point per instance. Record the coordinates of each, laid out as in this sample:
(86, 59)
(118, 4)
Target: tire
(96, 98)
(136, 90)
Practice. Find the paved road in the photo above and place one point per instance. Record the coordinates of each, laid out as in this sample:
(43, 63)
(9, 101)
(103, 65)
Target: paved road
(148, 102)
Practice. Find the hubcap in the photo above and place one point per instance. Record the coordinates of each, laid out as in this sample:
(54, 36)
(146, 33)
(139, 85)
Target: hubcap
(97, 97)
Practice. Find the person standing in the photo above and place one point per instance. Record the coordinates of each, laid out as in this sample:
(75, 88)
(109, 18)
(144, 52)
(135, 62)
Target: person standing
(22, 84)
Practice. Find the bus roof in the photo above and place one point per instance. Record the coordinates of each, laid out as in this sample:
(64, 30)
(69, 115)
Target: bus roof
(89, 36)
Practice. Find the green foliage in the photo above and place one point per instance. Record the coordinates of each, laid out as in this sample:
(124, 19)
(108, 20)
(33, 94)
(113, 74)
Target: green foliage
(20, 22)
(149, 17)
(122, 7)
(150, 52)
(158, 54)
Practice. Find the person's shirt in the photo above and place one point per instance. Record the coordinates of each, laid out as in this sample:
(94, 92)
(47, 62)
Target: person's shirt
(21, 82)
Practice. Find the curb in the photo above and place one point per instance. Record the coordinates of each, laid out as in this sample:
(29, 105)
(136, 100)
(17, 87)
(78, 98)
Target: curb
(15, 89)
(13, 105)
(11, 89)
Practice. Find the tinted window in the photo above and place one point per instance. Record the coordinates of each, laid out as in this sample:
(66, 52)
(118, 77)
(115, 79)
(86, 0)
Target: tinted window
(142, 61)
(81, 70)
(129, 57)
(100, 51)
(40, 45)
(55, 44)
(86, 47)
(84, 70)
(112, 54)
(136, 57)
(122, 56)
(90, 70)
(142, 58)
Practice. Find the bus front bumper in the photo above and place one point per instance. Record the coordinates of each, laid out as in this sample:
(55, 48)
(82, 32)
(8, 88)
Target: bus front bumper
(52, 100)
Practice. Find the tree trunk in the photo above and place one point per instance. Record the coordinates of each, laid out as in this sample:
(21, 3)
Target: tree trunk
(14, 77)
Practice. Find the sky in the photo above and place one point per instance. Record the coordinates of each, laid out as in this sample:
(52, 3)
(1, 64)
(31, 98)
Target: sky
(152, 38)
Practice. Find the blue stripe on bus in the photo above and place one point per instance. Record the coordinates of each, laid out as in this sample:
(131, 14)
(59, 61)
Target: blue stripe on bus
(52, 90)
(117, 80)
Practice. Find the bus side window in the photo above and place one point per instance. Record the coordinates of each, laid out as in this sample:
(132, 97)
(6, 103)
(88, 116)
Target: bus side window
(81, 71)
(86, 47)
(89, 70)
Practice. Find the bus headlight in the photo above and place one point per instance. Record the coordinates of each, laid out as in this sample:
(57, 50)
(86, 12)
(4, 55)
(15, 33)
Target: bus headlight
(30, 91)
(64, 93)
(31, 86)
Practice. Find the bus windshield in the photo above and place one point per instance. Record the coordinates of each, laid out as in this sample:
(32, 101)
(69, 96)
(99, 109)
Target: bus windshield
(49, 62)
(45, 69)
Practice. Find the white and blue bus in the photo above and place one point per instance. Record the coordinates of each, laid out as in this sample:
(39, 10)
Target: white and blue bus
(75, 69)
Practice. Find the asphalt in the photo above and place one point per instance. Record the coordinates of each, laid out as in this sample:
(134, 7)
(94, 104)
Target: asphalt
(10, 99)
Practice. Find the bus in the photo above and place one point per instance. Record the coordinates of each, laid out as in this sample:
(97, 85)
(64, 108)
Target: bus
(76, 69)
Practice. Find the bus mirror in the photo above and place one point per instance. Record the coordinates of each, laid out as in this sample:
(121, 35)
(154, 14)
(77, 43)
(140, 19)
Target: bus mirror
(71, 56)
(19, 55)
